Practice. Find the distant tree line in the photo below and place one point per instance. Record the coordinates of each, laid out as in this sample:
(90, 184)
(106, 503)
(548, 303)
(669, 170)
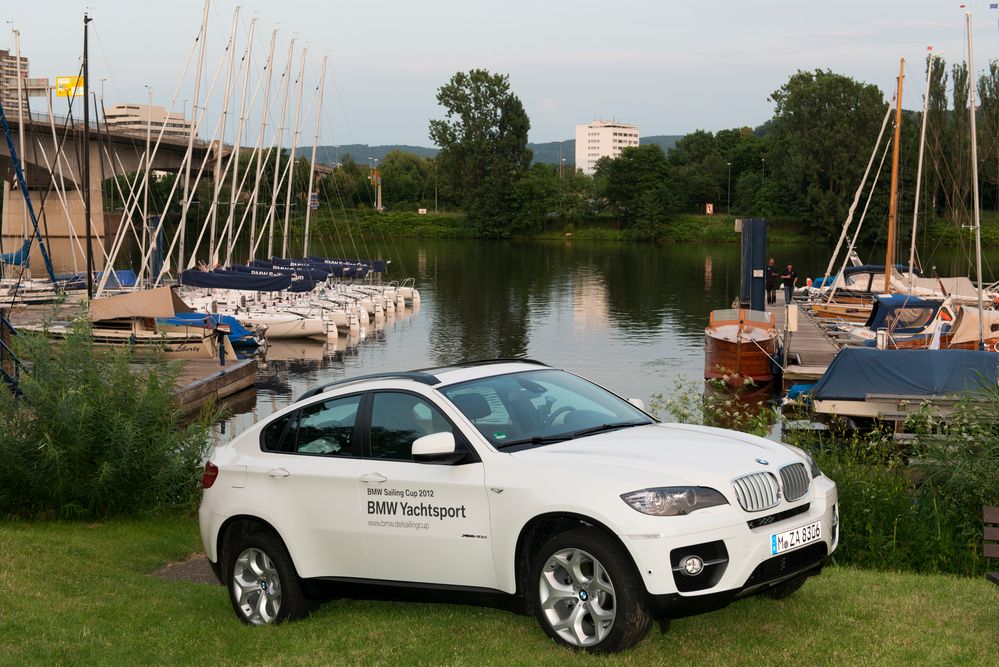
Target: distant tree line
(803, 165)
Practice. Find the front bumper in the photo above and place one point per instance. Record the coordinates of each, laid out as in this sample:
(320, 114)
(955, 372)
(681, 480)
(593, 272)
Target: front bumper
(747, 564)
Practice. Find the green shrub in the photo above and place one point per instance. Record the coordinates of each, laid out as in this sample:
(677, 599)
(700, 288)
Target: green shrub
(94, 435)
(903, 505)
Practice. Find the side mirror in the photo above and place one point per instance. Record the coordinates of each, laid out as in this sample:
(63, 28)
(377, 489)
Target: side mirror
(638, 403)
(436, 448)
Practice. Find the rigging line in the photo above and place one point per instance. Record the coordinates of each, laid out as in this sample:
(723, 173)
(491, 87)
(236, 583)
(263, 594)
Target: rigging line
(188, 157)
(150, 161)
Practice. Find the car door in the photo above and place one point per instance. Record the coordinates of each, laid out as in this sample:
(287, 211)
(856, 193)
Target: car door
(423, 522)
(310, 477)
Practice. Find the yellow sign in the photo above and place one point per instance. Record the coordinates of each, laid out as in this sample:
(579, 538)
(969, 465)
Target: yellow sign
(69, 86)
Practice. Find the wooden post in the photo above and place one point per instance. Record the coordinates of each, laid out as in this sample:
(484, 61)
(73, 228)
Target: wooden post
(6, 362)
(893, 202)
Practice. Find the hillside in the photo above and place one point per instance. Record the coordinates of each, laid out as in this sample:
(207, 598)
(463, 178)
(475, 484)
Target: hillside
(547, 152)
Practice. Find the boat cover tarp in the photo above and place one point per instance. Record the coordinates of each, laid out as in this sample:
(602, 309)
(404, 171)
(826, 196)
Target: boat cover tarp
(960, 287)
(118, 278)
(235, 280)
(238, 334)
(857, 372)
(965, 327)
(909, 314)
(313, 272)
(158, 302)
(18, 257)
(300, 282)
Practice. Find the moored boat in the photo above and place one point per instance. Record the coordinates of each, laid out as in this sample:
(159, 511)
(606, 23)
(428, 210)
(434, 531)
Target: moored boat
(740, 345)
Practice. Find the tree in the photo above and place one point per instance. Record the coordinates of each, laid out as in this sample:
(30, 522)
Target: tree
(635, 184)
(407, 180)
(483, 147)
(823, 128)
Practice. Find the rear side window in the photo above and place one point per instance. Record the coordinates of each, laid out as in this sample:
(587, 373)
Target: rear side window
(325, 428)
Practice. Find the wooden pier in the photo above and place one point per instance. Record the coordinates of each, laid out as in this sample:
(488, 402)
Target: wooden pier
(204, 379)
(809, 349)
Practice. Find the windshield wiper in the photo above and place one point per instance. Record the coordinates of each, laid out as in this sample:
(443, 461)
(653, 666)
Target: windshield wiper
(536, 440)
(549, 439)
(608, 427)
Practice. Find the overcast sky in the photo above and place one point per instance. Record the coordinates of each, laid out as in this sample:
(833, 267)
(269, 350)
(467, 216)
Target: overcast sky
(671, 67)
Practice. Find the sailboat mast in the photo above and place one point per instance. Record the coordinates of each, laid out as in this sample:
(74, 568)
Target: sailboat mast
(294, 145)
(919, 168)
(312, 163)
(258, 154)
(86, 161)
(893, 202)
(189, 158)
(238, 144)
(974, 186)
(213, 247)
(277, 153)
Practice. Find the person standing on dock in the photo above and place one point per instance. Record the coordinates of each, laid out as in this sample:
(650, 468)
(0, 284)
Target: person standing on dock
(789, 278)
(772, 282)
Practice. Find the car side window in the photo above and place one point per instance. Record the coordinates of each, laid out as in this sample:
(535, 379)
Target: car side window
(325, 428)
(398, 419)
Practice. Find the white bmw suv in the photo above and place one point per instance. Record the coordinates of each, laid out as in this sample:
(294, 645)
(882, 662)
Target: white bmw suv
(517, 478)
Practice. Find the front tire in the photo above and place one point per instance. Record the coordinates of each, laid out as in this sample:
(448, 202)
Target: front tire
(263, 586)
(586, 593)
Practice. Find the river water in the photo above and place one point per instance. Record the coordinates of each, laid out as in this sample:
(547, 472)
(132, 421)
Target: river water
(628, 316)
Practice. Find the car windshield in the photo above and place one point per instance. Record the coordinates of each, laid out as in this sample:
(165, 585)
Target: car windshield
(540, 407)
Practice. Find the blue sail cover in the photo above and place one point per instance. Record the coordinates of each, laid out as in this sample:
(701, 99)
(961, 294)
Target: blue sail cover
(235, 280)
(300, 280)
(18, 257)
(375, 265)
(316, 272)
(238, 334)
(857, 372)
(918, 313)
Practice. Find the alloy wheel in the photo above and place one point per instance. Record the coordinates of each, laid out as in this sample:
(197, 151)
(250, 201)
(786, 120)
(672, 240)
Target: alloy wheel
(577, 597)
(257, 586)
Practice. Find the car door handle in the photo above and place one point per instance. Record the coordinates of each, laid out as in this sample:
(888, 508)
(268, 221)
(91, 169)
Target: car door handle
(278, 472)
(374, 478)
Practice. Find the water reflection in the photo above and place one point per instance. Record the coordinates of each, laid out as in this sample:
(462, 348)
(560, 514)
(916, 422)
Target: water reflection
(629, 316)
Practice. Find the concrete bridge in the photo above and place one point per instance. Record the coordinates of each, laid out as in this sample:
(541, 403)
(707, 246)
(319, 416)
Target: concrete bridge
(111, 153)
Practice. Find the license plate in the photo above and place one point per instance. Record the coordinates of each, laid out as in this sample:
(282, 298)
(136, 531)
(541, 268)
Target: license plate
(794, 538)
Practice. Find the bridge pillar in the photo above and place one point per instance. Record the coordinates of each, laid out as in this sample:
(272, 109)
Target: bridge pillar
(65, 238)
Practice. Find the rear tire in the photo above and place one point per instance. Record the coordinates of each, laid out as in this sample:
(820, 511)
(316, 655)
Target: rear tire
(262, 582)
(586, 594)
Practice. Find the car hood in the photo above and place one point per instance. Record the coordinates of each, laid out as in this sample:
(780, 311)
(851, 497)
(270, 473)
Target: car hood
(665, 454)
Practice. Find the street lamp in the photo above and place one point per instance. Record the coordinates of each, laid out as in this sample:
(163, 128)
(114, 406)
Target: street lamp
(728, 196)
(763, 177)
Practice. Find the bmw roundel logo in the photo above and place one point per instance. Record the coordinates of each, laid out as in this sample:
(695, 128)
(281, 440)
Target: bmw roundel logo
(763, 462)
(583, 595)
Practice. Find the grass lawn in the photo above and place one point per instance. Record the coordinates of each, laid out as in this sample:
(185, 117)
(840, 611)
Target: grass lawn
(79, 594)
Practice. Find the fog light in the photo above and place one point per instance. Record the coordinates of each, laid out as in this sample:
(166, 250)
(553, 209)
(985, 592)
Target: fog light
(692, 565)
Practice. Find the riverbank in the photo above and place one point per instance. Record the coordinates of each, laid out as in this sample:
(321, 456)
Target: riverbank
(687, 228)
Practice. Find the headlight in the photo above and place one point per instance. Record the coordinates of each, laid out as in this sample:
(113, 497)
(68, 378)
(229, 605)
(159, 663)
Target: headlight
(812, 465)
(673, 500)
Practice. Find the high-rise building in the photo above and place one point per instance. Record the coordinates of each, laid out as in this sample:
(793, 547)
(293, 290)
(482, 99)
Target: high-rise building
(602, 138)
(136, 118)
(10, 70)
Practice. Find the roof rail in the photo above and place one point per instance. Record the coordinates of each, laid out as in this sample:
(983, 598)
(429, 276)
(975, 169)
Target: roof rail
(500, 360)
(416, 376)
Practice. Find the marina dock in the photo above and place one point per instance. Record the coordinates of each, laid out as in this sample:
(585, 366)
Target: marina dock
(202, 380)
(809, 349)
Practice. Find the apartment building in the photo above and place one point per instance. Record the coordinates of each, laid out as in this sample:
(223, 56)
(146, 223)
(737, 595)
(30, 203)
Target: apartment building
(136, 118)
(602, 138)
(10, 70)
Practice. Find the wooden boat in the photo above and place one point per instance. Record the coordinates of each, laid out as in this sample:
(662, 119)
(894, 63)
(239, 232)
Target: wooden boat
(129, 320)
(740, 345)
